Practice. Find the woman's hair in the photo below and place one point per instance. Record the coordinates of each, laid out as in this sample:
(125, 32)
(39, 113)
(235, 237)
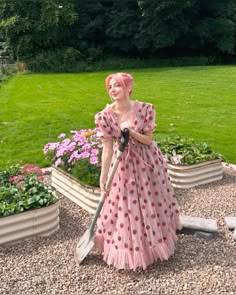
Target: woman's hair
(125, 79)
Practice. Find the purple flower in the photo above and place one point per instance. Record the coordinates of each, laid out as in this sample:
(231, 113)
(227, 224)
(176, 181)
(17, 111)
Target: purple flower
(82, 144)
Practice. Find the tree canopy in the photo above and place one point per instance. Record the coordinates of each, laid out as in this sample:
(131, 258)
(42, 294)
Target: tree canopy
(121, 27)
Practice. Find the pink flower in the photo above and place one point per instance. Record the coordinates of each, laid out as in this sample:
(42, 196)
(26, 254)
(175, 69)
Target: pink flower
(84, 155)
(62, 135)
(20, 183)
(58, 162)
(13, 178)
(94, 152)
(93, 160)
(176, 159)
(51, 146)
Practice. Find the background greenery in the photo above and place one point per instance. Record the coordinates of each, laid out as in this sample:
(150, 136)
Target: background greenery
(69, 35)
(197, 102)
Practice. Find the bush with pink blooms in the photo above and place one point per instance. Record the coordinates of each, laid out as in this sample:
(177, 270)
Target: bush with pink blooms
(79, 155)
(22, 188)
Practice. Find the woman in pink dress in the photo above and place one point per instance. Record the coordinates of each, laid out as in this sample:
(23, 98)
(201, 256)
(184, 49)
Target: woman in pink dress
(138, 222)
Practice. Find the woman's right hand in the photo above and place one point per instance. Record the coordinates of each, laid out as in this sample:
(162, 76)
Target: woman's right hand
(103, 187)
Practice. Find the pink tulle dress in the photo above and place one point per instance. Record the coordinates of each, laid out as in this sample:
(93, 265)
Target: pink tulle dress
(138, 222)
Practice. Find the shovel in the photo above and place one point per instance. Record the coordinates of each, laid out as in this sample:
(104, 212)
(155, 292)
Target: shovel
(86, 242)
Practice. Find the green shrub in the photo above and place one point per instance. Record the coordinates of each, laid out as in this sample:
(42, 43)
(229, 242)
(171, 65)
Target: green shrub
(186, 151)
(71, 60)
(61, 60)
(7, 71)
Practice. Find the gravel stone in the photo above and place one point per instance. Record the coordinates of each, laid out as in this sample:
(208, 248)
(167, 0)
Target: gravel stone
(46, 265)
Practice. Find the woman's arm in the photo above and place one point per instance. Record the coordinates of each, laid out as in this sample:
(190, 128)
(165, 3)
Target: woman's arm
(145, 138)
(107, 153)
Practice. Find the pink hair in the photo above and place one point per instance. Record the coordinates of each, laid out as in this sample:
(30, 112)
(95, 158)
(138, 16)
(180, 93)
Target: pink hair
(125, 79)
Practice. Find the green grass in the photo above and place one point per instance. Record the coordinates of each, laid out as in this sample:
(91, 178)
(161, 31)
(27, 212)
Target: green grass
(197, 102)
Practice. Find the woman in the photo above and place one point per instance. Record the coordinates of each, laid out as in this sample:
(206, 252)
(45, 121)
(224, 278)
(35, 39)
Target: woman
(139, 218)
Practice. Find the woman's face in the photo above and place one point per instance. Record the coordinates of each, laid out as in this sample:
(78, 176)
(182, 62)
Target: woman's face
(116, 90)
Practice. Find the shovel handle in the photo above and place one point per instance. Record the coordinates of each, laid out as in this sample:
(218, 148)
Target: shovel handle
(124, 139)
(123, 143)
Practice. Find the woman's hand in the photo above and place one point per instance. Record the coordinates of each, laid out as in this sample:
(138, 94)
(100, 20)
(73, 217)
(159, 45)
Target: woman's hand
(145, 138)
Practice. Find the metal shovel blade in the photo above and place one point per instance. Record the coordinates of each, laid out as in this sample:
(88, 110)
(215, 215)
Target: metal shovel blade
(84, 246)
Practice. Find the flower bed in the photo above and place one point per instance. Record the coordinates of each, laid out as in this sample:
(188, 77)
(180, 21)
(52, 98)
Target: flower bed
(76, 164)
(191, 163)
(78, 155)
(43, 222)
(27, 206)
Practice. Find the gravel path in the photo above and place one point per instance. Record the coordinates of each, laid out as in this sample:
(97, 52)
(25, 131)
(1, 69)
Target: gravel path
(47, 266)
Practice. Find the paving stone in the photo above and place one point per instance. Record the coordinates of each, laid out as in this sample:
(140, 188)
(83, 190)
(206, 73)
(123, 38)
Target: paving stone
(203, 235)
(234, 234)
(199, 223)
(230, 221)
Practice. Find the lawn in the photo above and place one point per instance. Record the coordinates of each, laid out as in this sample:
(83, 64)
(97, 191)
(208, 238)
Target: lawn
(197, 102)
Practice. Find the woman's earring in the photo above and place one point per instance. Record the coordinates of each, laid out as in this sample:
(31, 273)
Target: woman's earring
(111, 98)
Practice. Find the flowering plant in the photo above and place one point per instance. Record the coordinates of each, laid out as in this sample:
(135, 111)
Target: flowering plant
(78, 154)
(22, 188)
(186, 151)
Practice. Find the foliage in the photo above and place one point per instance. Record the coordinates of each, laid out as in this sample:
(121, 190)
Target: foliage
(7, 71)
(31, 26)
(55, 62)
(186, 151)
(79, 155)
(60, 60)
(142, 29)
(21, 189)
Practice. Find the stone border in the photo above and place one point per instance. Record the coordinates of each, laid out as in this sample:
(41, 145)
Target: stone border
(43, 222)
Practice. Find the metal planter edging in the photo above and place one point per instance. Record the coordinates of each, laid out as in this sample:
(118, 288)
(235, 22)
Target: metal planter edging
(43, 222)
(193, 175)
(86, 197)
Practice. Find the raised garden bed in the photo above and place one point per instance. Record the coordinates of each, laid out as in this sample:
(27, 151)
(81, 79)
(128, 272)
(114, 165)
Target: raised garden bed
(187, 176)
(87, 197)
(43, 222)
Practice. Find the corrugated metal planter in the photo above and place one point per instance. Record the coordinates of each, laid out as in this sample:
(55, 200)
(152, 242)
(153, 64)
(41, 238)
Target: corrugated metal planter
(43, 222)
(193, 175)
(86, 197)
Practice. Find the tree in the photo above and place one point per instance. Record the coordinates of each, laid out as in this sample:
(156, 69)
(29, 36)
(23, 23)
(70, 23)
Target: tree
(162, 23)
(121, 26)
(30, 26)
(199, 25)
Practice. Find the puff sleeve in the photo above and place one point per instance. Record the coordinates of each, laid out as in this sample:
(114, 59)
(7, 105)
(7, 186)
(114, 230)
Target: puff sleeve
(150, 118)
(104, 130)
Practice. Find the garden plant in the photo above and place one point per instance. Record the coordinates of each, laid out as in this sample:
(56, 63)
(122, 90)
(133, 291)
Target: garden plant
(187, 151)
(22, 188)
(80, 153)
